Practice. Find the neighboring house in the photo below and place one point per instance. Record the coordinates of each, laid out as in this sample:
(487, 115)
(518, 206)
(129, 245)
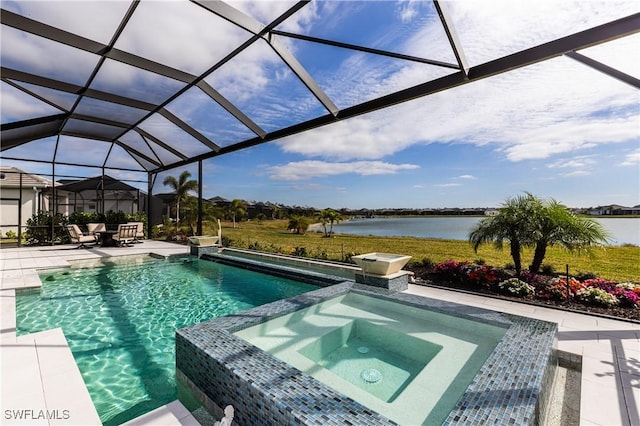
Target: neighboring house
(22, 195)
(219, 201)
(100, 194)
(613, 210)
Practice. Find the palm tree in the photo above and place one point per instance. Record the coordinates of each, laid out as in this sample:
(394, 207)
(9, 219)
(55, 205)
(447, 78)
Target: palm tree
(527, 221)
(299, 224)
(559, 226)
(181, 187)
(329, 216)
(510, 224)
(237, 208)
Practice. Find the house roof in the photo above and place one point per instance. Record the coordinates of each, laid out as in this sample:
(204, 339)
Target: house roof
(95, 183)
(10, 177)
(110, 94)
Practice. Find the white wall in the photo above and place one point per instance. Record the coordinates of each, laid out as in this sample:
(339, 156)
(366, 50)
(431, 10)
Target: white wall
(32, 201)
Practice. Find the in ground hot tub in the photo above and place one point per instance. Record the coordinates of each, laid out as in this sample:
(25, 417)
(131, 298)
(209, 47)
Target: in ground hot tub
(381, 263)
(411, 365)
(348, 355)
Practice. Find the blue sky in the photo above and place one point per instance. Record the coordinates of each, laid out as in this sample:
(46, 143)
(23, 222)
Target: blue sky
(557, 129)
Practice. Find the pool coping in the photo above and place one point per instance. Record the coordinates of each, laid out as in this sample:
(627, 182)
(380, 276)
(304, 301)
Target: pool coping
(506, 390)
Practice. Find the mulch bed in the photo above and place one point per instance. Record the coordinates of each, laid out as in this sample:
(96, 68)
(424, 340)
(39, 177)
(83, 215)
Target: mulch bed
(424, 276)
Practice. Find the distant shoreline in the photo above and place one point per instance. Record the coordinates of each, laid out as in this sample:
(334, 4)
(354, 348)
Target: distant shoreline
(457, 227)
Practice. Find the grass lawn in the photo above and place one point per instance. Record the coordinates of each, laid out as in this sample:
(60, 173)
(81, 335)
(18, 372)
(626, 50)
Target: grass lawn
(614, 263)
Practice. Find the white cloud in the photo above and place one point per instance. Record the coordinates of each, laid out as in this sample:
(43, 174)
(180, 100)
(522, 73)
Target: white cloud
(471, 177)
(632, 159)
(447, 185)
(545, 109)
(95, 20)
(309, 187)
(16, 105)
(304, 170)
(572, 163)
(577, 173)
(536, 112)
(488, 30)
(408, 10)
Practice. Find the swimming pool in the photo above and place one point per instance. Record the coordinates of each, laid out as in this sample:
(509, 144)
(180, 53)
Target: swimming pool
(120, 318)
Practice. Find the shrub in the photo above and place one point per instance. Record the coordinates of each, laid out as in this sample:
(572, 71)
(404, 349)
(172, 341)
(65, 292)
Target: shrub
(82, 218)
(39, 228)
(255, 246)
(11, 235)
(548, 269)
(556, 289)
(322, 254)
(349, 255)
(299, 251)
(115, 218)
(451, 269)
(606, 285)
(596, 296)
(227, 242)
(582, 276)
(627, 298)
(275, 249)
(630, 286)
(533, 279)
(515, 287)
(427, 263)
(485, 276)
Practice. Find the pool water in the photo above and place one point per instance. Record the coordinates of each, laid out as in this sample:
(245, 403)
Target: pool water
(375, 358)
(407, 363)
(120, 321)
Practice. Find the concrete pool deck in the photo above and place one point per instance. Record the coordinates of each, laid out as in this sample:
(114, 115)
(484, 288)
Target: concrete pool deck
(41, 383)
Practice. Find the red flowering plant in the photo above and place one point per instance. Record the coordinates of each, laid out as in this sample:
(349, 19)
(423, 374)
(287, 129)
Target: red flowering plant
(484, 276)
(451, 269)
(557, 289)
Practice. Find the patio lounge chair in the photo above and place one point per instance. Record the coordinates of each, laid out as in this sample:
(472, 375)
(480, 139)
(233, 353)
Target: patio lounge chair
(96, 228)
(126, 234)
(77, 237)
(139, 231)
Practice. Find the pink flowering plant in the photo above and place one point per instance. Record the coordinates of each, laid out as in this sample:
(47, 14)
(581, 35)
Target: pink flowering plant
(626, 294)
(533, 279)
(597, 292)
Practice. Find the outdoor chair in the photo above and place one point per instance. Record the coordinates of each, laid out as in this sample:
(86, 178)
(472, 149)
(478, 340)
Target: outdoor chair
(77, 237)
(139, 231)
(126, 235)
(96, 228)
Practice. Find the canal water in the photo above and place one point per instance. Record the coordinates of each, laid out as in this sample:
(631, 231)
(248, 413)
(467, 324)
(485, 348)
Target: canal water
(622, 230)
